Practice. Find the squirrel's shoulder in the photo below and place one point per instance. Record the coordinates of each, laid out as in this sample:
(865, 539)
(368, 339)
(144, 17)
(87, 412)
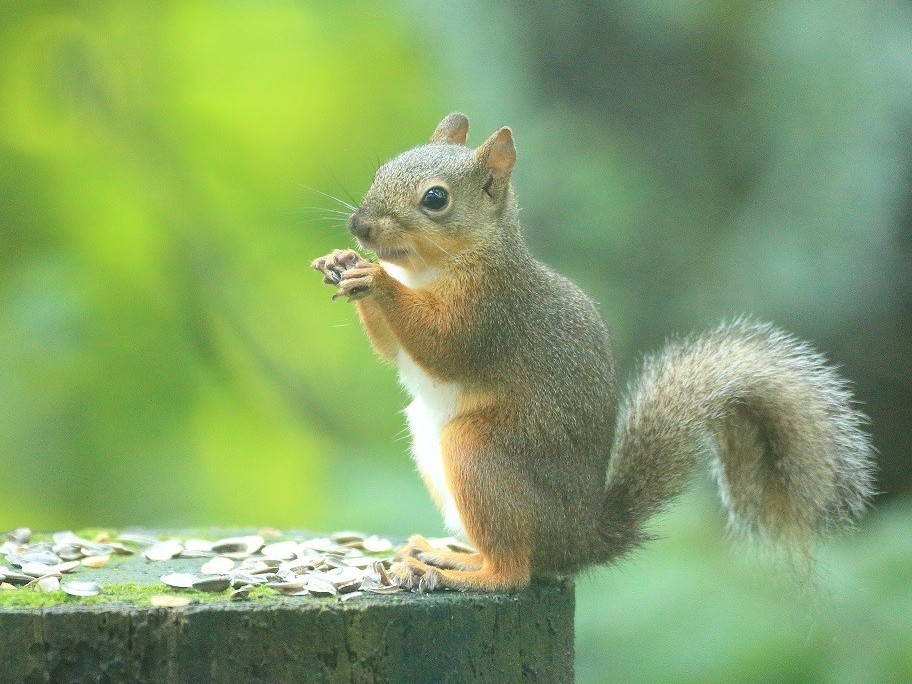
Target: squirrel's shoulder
(545, 311)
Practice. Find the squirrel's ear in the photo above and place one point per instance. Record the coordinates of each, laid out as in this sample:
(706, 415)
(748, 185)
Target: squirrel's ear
(498, 153)
(453, 129)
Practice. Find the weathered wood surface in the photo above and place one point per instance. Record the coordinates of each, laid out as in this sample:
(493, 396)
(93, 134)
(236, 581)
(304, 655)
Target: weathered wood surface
(522, 636)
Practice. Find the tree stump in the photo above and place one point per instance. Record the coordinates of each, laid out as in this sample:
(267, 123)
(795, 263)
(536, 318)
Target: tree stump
(436, 637)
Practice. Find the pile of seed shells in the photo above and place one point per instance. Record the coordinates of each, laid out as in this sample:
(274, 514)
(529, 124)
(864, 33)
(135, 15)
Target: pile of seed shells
(343, 565)
(41, 565)
(326, 566)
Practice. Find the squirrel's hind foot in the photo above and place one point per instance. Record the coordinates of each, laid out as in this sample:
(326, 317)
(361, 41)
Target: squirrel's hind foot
(420, 548)
(410, 573)
(414, 575)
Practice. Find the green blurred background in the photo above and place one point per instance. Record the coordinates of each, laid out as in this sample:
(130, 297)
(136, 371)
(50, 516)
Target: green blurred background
(167, 358)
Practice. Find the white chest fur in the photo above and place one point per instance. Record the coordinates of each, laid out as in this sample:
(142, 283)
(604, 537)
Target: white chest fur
(433, 404)
(410, 277)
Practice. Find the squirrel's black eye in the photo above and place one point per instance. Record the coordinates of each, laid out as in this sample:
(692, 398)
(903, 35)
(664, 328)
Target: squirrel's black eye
(435, 199)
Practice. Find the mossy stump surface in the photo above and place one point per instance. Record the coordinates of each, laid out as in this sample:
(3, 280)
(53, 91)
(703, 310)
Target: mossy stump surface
(119, 636)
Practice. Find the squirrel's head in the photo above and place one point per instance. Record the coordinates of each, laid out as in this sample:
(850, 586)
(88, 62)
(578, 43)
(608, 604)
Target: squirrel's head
(436, 200)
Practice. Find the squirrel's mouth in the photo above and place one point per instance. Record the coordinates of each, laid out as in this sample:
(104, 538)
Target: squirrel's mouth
(390, 253)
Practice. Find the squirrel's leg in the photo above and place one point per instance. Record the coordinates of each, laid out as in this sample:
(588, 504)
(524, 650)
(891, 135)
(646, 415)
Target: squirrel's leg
(381, 337)
(420, 548)
(481, 466)
(336, 267)
(481, 454)
(417, 319)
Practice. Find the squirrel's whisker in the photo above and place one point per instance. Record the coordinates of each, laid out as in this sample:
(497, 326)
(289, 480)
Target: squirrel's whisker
(342, 187)
(425, 237)
(328, 196)
(326, 210)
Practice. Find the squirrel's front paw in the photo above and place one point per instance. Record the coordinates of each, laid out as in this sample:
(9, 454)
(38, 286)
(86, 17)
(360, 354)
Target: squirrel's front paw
(337, 262)
(358, 281)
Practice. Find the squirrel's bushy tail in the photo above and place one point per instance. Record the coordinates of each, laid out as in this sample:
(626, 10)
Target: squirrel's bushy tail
(787, 446)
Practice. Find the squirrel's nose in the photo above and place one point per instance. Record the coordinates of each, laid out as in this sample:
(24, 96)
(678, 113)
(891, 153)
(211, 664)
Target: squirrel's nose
(358, 226)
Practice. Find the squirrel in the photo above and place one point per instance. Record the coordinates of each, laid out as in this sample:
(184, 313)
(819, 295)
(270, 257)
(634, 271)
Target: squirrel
(515, 418)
